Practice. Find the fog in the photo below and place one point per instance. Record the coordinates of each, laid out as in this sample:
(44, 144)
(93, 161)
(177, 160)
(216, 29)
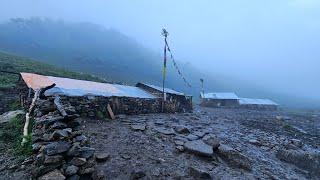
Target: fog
(273, 44)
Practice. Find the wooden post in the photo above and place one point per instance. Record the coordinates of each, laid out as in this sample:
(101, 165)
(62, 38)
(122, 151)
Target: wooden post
(110, 112)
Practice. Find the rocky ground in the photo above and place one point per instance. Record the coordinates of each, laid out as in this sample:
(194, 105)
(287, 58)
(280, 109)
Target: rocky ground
(207, 144)
(253, 144)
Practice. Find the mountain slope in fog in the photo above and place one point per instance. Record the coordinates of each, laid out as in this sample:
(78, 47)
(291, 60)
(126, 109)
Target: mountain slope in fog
(90, 48)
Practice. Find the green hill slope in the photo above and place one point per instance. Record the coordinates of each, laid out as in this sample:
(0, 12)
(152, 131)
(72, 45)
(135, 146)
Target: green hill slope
(18, 64)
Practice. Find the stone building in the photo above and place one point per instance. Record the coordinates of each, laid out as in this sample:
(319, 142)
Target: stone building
(258, 104)
(219, 99)
(174, 101)
(93, 98)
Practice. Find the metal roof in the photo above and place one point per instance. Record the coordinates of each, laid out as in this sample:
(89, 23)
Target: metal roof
(74, 87)
(220, 95)
(249, 101)
(166, 90)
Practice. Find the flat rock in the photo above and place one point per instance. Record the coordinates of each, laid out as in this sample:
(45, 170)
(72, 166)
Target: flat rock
(102, 156)
(165, 131)
(57, 147)
(59, 125)
(181, 129)
(78, 161)
(192, 137)
(53, 159)
(198, 147)
(138, 127)
(53, 175)
(200, 134)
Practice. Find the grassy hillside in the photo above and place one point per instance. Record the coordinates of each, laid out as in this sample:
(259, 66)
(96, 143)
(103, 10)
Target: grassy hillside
(18, 64)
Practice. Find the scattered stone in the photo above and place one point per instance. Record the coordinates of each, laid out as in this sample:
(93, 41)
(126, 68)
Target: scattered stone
(59, 125)
(159, 122)
(86, 152)
(165, 131)
(58, 134)
(53, 175)
(180, 148)
(81, 138)
(7, 116)
(200, 134)
(125, 156)
(102, 156)
(198, 173)
(78, 161)
(89, 170)
(71, 170)
(255, 142)
(181, 129)
(57, 147)
(213, 142)
(74, 177)
(192, 137)
(98, 175)
(282, 118)
(53, 159)
(138, 127)
(179, 143)
(199, 147)
(234, 157)
(74, 150)
(137, 174)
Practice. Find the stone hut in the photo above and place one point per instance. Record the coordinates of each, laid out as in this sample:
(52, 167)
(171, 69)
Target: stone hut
(258, 104)
(174, 101)
(92, 98)
(221, 99)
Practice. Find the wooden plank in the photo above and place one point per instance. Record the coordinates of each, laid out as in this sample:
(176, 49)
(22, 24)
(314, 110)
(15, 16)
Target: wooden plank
(110, 112)
(59, 106)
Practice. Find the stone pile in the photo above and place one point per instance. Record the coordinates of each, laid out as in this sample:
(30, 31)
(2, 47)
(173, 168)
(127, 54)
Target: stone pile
(61, 150)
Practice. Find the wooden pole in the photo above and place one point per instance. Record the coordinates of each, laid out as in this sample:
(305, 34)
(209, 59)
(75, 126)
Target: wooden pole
(165, 34)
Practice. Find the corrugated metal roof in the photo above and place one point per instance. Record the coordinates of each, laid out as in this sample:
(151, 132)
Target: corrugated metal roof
(166, 90)
(74, 87)
(248, 101)
(220, 95)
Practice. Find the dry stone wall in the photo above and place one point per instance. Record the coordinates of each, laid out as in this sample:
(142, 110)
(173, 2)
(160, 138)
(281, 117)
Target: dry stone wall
(61, 151)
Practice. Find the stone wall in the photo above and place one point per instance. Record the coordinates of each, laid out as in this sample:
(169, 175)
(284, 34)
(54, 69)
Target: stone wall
(60, 148)
(230, 103)
(174, 102)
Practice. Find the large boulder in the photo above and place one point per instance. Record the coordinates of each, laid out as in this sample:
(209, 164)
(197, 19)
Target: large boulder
(198, 147)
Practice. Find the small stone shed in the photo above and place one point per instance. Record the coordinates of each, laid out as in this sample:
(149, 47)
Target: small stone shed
(219, 99)
(258, 104)
(174, 101)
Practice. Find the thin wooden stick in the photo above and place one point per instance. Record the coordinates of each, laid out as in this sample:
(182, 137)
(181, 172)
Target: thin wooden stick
(26, 125)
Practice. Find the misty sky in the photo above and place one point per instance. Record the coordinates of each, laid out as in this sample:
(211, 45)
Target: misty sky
(271, 43)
